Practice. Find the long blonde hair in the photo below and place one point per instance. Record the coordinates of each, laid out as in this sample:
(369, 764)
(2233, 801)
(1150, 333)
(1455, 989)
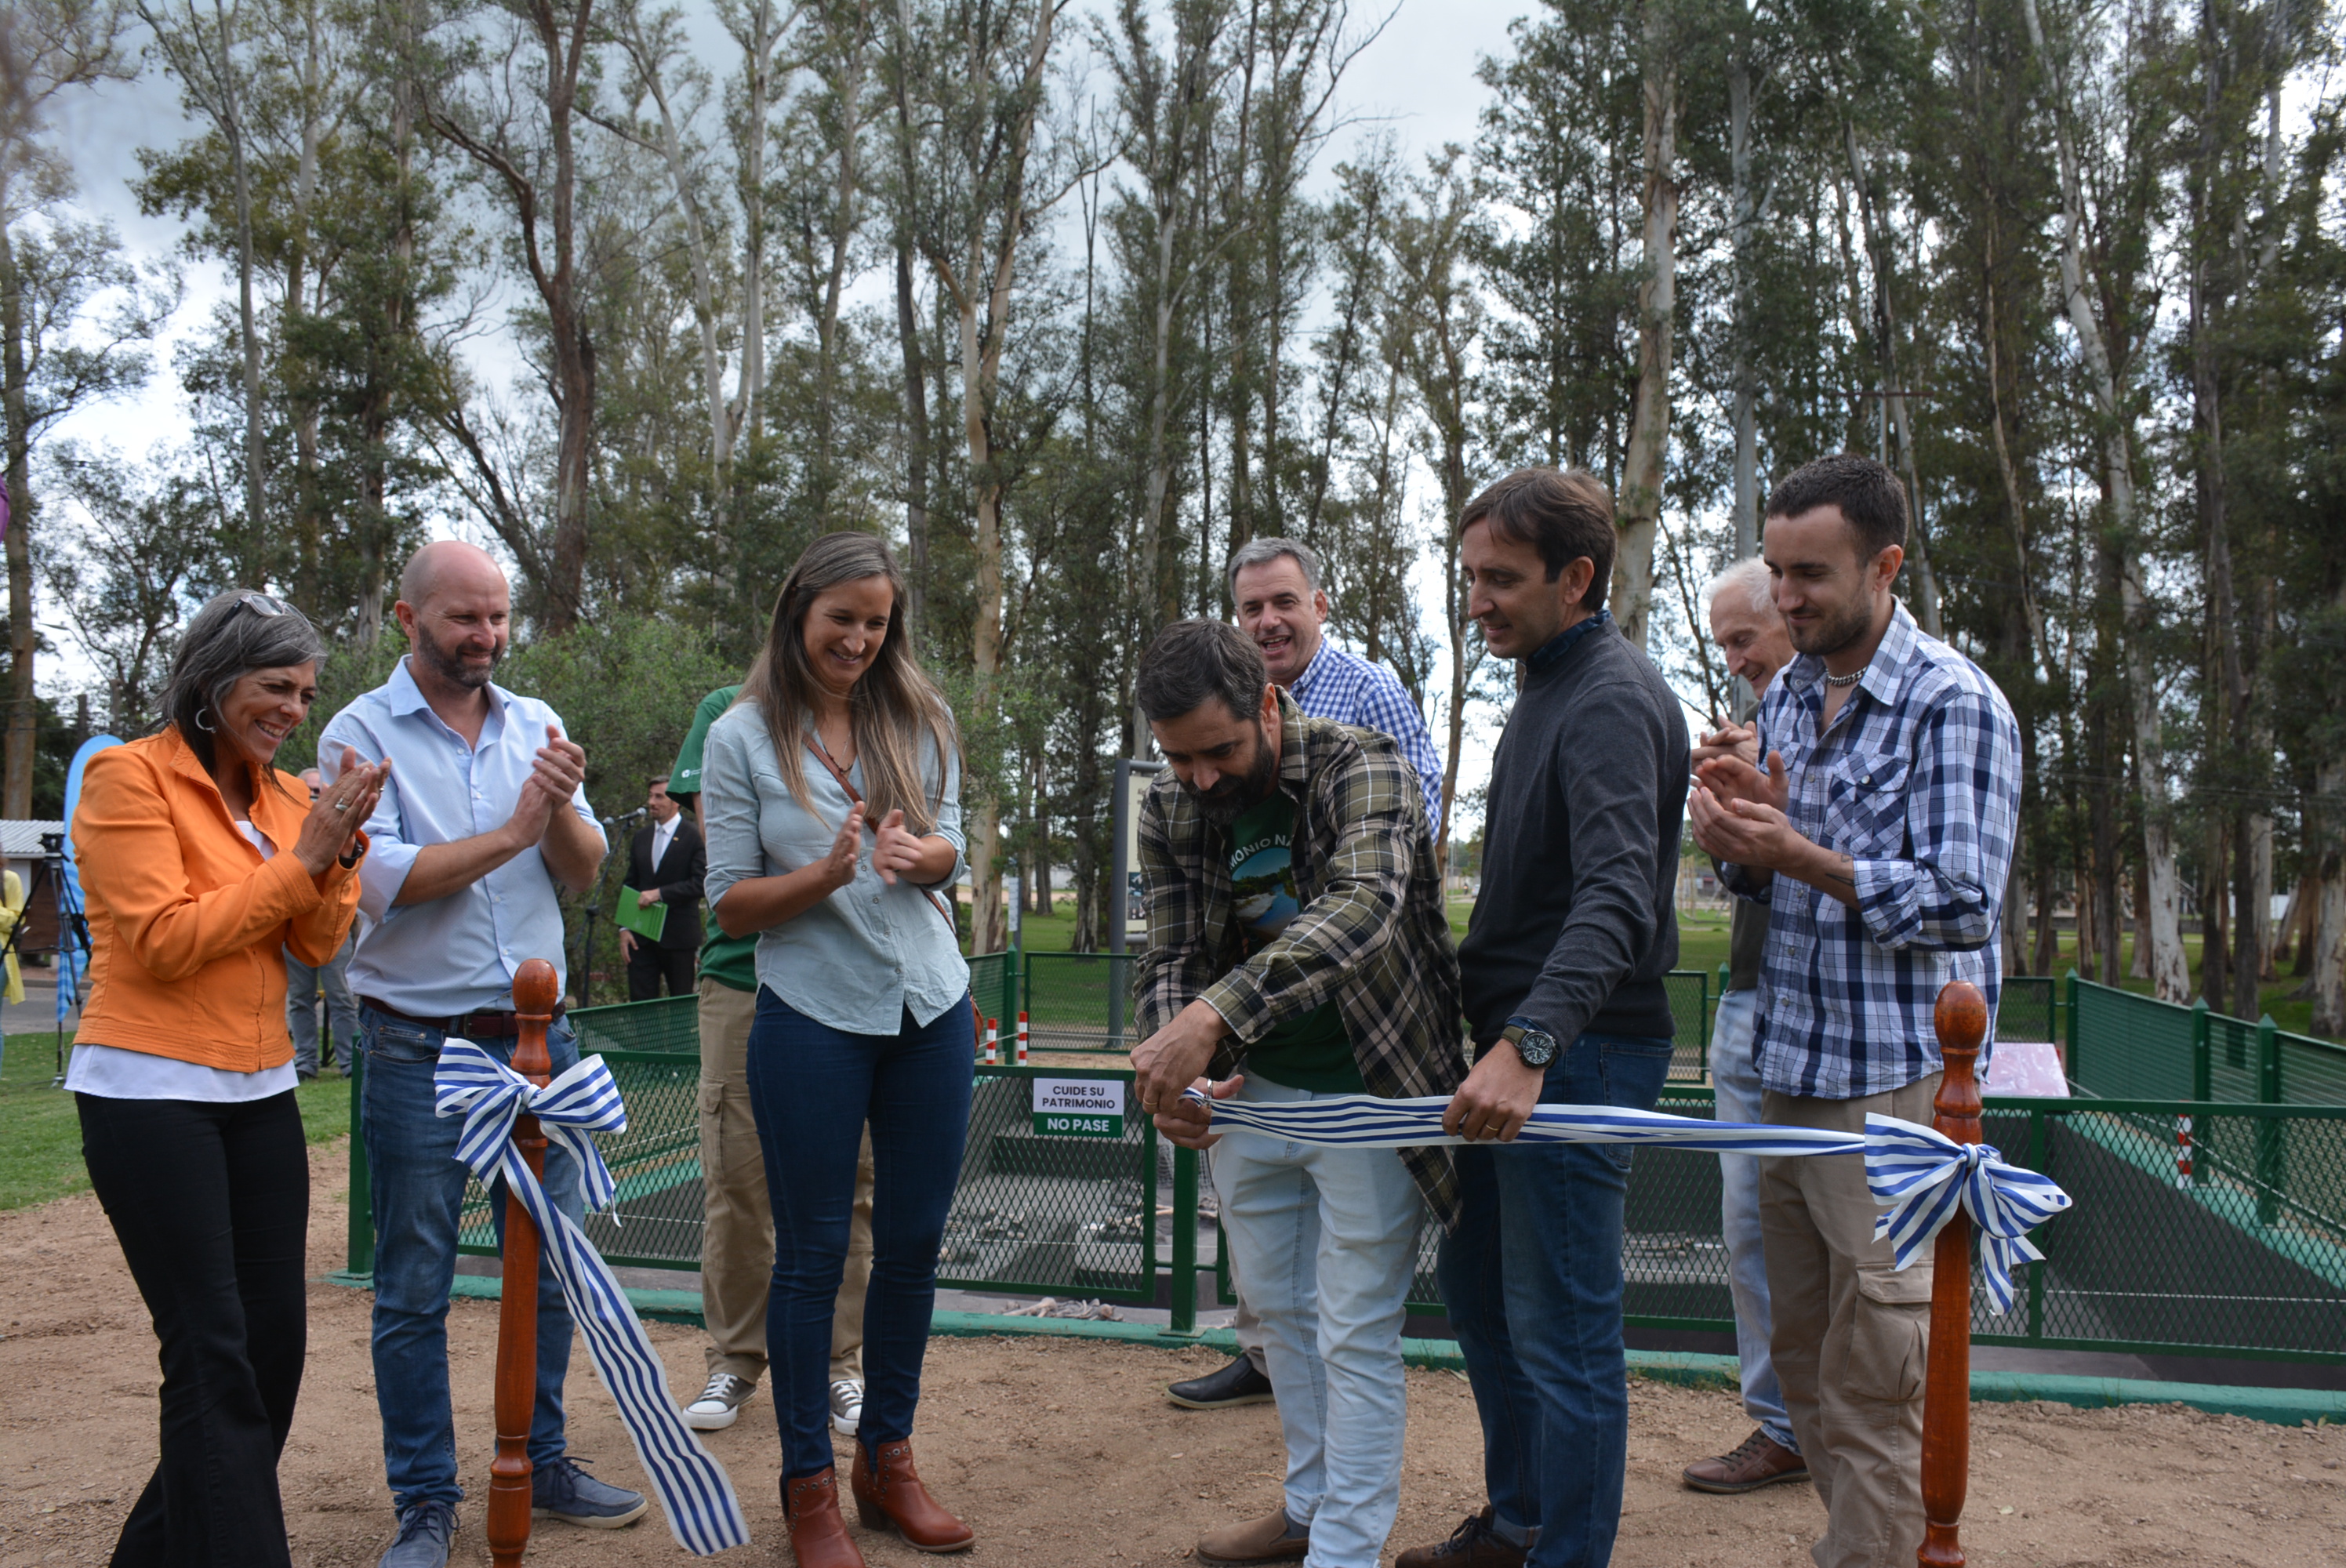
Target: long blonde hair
(892, 708)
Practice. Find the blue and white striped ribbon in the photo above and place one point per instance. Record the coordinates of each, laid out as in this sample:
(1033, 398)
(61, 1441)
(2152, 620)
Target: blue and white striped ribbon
(1920, 1174)
(693, 1489)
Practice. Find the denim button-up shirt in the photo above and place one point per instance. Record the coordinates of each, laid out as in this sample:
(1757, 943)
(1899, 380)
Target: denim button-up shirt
(458, 953)
(864, 956)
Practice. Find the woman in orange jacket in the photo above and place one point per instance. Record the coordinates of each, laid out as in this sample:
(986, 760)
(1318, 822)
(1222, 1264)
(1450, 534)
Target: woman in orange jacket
(199, 862)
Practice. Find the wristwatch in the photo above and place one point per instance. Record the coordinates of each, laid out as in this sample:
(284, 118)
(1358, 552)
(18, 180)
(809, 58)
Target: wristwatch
(1534, 1045)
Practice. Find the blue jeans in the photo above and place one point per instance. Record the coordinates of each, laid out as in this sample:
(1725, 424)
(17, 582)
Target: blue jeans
(1532, 1278)
(302, 985)
(1326, 1239)
(812, 1089)
(1735, 1083)
(418, 1188)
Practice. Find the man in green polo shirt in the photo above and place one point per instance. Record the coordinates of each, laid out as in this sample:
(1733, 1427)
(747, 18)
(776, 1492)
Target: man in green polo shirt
(737, 1238)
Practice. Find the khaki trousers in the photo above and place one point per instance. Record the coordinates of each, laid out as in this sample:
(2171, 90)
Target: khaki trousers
(737, 1242)
(1851, 1336)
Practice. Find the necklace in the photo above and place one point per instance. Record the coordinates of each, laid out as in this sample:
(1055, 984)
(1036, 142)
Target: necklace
(1851, 678)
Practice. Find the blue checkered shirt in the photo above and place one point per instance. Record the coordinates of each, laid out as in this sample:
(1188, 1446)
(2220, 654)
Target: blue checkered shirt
(1353, 690)
(1918, 782)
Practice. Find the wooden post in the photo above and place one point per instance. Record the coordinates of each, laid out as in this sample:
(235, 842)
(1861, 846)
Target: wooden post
(1962, 1021)
(535, 987)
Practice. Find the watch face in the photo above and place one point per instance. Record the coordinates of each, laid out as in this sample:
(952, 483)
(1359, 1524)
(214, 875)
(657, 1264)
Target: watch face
(1536, 1049)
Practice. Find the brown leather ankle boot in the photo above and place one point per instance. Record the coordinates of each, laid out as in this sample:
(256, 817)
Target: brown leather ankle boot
(889, 1496)
(818, 1534)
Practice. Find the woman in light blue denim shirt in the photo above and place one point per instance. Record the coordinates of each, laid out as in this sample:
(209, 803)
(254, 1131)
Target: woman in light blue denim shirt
(831, 796)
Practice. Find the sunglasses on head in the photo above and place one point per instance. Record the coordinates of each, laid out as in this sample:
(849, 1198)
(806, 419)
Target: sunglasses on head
(259, 604)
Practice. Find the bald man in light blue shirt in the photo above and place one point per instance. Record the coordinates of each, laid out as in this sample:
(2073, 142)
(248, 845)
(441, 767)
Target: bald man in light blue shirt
(488, 815)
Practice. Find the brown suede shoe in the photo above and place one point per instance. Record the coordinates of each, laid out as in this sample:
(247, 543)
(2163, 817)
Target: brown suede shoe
(818, 1534)
(1471, 1545)
(889, 1496)
(1257, 1540)
(1760, 1461)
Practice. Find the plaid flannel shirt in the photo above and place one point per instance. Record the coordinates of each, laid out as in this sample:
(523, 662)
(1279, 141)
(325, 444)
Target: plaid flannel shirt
(1371, 935)
(1918, 781)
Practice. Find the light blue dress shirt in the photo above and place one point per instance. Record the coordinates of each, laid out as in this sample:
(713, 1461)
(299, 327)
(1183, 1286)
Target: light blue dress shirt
(455, 954)
(862, 957)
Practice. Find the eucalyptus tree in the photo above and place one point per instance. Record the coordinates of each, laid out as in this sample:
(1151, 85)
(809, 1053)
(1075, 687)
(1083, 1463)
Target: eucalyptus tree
(49, 271)
(989, 171)
(504, 91)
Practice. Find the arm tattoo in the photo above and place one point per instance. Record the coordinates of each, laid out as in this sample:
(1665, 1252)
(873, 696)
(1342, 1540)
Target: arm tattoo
(1844, 870)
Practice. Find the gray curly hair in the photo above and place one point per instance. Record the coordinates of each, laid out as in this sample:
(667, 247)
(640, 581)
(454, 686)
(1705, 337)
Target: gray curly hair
(235, 634)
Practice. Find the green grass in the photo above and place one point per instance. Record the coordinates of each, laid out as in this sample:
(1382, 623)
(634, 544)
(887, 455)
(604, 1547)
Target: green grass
(40, 1137)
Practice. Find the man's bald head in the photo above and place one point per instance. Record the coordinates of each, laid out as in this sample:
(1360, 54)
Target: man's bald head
(455, 608)
(445, 565)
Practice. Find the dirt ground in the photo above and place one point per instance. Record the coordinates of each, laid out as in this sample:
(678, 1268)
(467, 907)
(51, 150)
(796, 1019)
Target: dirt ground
(1062, 1453)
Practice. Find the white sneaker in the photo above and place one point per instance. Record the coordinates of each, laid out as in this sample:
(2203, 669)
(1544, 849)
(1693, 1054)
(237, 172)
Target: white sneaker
(720, 1404)
(846, 1405)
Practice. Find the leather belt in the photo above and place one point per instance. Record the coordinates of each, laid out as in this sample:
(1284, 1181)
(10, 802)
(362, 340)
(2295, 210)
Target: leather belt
(465, 1025)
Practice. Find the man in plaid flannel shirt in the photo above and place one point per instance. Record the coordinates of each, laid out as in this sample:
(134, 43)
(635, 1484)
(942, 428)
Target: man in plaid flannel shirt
(1880, 838)
(1275, 587)
(1298, 948)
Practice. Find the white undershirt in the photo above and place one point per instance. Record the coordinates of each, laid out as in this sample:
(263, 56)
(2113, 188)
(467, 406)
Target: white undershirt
(112, 1073)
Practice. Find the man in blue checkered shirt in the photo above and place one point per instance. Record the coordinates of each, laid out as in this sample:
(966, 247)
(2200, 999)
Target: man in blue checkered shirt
(1275, 584)
(1880, 838)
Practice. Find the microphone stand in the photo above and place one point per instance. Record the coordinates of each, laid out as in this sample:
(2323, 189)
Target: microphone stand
(594, 908)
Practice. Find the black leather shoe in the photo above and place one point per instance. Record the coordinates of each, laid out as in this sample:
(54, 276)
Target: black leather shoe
(1236, 1384)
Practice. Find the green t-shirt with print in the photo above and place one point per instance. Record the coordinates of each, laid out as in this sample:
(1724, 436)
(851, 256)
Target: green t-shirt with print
(1312, 1052)
(730, 961)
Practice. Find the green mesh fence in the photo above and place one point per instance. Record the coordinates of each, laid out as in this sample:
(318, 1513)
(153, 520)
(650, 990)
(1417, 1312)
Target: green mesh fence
(2126, 1047)
(670, 1024)
(993, 991)
(1078, 1001)
(1690, 994)
(2028, 1009)
(2248, 1255)
(1048, 1202)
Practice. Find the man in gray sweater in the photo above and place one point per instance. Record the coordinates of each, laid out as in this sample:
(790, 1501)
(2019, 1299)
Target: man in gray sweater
(1563, 971)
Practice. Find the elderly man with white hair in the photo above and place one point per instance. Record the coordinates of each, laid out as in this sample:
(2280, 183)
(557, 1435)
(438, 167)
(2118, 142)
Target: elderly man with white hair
(1752, 633)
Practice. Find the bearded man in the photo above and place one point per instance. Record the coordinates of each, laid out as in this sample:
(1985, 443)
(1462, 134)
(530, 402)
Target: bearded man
(487, 815)
(1298, 950)
(1878, 836)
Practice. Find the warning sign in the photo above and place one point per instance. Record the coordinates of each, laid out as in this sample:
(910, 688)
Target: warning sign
(1079, 1107)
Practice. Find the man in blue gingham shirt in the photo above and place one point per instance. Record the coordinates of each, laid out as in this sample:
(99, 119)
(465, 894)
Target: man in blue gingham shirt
(1275, 584)
(1880, 838)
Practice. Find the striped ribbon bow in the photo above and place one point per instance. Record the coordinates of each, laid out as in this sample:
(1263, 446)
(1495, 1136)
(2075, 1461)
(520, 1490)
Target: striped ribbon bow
(1922, 1173)
(693, 1489)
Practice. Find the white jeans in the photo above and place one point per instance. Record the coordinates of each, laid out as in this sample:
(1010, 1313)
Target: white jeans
(1735, 1080)
(1326, 1240)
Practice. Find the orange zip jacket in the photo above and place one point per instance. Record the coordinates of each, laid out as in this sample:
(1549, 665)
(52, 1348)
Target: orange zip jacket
(186, 919)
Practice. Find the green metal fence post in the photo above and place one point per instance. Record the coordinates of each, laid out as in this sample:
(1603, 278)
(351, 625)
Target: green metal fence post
(2203, 1066)
(2272, 1172)
(2077, 1073)
(1185, 1240)
(2036, 1274)
(362, 1187)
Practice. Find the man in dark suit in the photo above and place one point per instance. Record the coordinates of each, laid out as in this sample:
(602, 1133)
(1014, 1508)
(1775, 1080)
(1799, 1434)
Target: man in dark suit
(666, 865)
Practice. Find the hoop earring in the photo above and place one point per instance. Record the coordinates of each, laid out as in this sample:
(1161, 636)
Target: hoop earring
(207, 729)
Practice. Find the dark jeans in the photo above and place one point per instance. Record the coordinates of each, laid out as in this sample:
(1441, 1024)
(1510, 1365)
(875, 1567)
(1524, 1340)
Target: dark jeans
(211, 1204)
(812, 1088)
(418, 1189)
(648, 965)
(1532, 1278)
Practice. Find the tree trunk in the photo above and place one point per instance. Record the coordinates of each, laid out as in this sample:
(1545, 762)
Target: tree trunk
(24, 636)
(916, 445)
(1632, 590)
(2330, 911)
(2170, 971)
(231, 127)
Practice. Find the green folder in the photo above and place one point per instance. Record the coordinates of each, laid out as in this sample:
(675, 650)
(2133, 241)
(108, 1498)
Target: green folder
(647, 921)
